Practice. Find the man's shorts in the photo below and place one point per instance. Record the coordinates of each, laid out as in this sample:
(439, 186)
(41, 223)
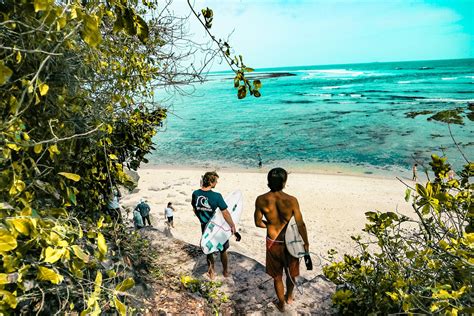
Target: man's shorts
(278, 258)
(226, 244)
(170, 219)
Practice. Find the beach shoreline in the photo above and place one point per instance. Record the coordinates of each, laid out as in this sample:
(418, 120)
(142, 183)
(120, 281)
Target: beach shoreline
(333, 205)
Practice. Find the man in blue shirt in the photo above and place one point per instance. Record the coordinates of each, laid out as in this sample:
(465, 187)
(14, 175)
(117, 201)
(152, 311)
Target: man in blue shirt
(205, 202)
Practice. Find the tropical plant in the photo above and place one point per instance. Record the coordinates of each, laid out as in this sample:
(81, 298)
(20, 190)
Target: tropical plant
(414, 265)
(77, 105)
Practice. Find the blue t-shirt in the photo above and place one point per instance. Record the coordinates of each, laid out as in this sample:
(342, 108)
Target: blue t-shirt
(205, 204)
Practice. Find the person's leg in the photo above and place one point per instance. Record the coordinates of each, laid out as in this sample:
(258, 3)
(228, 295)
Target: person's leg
(289, 289)
(280, 290)
(210, 266)
(225, 263)
(148, 219)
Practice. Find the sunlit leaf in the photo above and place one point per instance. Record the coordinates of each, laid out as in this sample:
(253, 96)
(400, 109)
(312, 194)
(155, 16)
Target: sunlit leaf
(42, 5)
(52, 255)
(90, 32)
(80, 253)
(46, 274)
(125, 285)
(120, 307)
(101, 243)
(43, 89)
(71, 176)
(5, 73)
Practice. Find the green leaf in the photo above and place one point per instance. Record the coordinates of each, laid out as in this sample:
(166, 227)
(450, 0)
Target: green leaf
(8, 298)
(22, 225)
(125, 285)
(42, 5)
(7, 241)
(101, 243)
(5, 73)
(51, 255)
(120, 307)
(90, 32)
(242, 92)
(80, 253)
(71, 176)
(407, 194)
(43, 89)
(46, 274)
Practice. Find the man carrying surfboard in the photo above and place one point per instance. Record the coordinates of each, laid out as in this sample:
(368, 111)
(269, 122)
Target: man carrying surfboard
(205, 203)
(278, 208)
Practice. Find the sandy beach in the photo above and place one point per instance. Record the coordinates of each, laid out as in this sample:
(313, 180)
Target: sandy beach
(333, 205)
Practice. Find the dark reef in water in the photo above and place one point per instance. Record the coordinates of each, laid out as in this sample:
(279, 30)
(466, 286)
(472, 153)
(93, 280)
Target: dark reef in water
(416, 113)
(297, 101)
(267, 75)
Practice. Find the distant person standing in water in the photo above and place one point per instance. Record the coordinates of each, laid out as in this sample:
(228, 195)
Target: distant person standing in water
(259, 160)
(169, 209)
(414, 169)
(205, 203)
(278, 208)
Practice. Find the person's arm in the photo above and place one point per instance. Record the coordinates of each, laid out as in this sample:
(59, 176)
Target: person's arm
(258, 216)
(193, 204)
(228, 219)
(301, 225)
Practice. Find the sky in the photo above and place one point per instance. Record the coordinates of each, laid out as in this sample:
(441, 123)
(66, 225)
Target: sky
(277, 33)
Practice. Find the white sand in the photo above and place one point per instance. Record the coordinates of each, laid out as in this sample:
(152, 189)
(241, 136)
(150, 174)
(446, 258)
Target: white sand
(333, 205)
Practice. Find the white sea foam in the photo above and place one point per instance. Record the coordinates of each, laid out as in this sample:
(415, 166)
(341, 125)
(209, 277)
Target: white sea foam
(355, 95)
(445, 100)
(452, 78)
(332, 87)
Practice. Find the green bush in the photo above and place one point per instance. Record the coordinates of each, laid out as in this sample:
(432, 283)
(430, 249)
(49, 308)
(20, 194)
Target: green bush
(421, 265)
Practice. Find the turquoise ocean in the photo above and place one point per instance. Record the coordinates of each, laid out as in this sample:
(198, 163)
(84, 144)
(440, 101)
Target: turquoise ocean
(355, 117)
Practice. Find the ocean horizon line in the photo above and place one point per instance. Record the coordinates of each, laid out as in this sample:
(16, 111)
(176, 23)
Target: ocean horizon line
(263, 69)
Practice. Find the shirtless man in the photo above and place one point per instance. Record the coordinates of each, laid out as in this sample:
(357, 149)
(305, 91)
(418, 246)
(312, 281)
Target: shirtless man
(278, 207)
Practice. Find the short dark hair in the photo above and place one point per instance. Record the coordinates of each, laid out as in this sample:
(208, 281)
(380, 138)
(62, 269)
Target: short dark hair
(209, 178)
(169, 203)
(277, 179)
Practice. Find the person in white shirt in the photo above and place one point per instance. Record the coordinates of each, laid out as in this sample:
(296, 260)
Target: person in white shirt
(169, 214)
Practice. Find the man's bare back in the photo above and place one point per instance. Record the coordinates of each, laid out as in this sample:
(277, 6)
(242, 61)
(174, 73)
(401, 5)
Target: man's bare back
(278, 208)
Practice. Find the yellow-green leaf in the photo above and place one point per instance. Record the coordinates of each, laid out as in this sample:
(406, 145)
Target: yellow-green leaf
(101, 244)
(22, 225)
(90, 33)
(113, 157)
(120, 307)
(43, 89)
(7, 241)
(7, 278)
(51, 255)
(8, 298)
(72, 176)
(80, 253)
(5, 73)
(42, 5)
(125, 285)
(37, 149)
(46, 274)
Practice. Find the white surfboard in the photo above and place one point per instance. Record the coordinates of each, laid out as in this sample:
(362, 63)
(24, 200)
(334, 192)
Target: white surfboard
(217, 231)
(293, 240)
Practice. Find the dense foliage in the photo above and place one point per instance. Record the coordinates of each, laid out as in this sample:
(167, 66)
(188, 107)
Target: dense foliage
(414, 265)
(77, 107)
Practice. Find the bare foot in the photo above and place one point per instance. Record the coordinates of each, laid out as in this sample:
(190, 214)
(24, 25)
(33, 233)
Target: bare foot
(289, 300)
(226, 274)
(211, 273)
(279, 305)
